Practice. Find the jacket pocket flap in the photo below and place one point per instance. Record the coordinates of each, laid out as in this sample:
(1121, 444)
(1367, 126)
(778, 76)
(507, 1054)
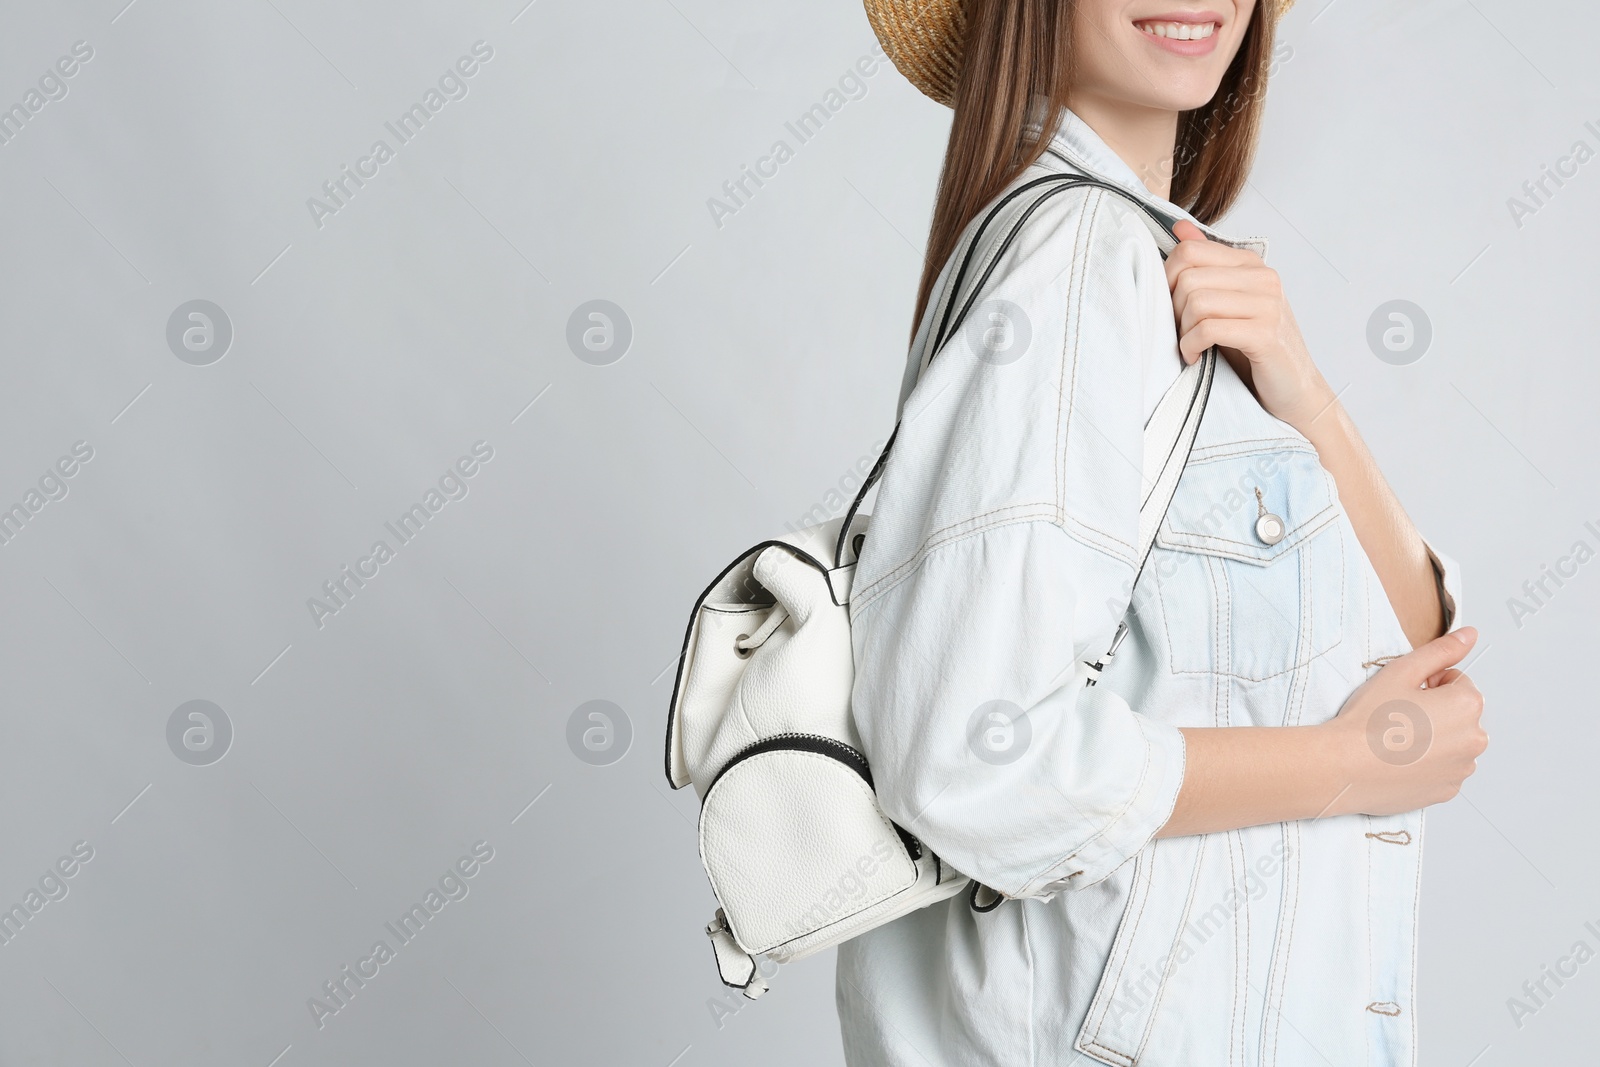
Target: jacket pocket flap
(1221, 502)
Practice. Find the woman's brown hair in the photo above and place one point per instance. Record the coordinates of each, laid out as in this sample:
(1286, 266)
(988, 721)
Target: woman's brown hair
(1016, 49)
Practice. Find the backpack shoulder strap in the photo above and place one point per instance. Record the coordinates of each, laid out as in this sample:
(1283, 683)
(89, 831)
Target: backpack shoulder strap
(1170, 433)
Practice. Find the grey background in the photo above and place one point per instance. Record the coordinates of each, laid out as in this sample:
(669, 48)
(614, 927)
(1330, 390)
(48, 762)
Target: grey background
(431, 311)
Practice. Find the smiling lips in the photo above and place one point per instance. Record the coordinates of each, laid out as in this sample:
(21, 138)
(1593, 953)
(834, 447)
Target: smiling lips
(1184, 34)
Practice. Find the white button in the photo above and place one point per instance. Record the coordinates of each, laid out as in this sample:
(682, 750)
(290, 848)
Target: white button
(1270, 529)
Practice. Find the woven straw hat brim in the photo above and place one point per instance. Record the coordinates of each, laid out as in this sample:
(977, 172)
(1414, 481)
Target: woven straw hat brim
(924, 39)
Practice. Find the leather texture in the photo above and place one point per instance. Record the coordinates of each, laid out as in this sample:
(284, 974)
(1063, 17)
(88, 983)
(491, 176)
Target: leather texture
(773, 832)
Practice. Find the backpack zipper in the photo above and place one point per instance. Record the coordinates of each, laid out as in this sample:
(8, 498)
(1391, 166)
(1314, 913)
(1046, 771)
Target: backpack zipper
(800, 742)
(831, 747)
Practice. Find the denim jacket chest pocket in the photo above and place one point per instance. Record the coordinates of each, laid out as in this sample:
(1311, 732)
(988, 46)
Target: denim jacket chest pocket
(1248, 564)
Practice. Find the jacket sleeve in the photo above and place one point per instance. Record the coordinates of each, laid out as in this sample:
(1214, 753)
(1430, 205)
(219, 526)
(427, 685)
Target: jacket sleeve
(1001, 553)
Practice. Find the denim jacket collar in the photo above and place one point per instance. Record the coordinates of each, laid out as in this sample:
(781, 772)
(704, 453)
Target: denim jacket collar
(1077, 145)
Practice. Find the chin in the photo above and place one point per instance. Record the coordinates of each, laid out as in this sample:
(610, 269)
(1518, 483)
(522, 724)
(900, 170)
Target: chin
(1185, 94)
(1191, 102)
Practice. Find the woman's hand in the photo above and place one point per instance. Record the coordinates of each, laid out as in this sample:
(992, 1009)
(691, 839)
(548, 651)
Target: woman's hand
(1404, 746)
(1228, 297)
(1395, 746)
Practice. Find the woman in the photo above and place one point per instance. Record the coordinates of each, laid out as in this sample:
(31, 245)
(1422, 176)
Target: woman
(1212, 856)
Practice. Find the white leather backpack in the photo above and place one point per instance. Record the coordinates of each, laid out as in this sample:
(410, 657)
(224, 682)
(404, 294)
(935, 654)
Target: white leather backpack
(798, 852)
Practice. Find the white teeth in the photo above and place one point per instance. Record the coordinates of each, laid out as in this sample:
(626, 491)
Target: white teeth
(1179, 31)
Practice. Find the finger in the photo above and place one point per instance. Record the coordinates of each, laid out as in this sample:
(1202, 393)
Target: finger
(1188, 231)
(1444, 677)
(1246, 335)
(1466, 694)
(1192, 343)
(1425, 661)
(1222, 304)
(1262, 280)
(1190, 254)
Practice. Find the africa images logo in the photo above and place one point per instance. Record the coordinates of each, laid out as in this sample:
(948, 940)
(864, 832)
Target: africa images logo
(453, 885)
(341, 589)
(338, 191)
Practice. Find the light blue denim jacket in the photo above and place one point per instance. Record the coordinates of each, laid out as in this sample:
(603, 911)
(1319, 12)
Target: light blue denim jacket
(1000, 553)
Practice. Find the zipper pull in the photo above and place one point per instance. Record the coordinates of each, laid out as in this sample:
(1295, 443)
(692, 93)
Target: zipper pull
(1116, 642)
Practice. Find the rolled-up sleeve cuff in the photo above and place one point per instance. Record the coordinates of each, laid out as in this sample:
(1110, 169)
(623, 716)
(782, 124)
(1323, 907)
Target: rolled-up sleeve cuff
(1447, 576)
(1148, 809)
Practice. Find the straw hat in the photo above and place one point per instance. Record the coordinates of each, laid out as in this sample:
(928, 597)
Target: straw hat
(924, 38)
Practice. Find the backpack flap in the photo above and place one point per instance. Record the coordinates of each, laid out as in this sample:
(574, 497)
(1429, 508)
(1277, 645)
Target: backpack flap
(777, 592)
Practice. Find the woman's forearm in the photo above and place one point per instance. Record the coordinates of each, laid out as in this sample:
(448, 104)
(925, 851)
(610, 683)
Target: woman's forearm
(1385, 531)
(1237, 776)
